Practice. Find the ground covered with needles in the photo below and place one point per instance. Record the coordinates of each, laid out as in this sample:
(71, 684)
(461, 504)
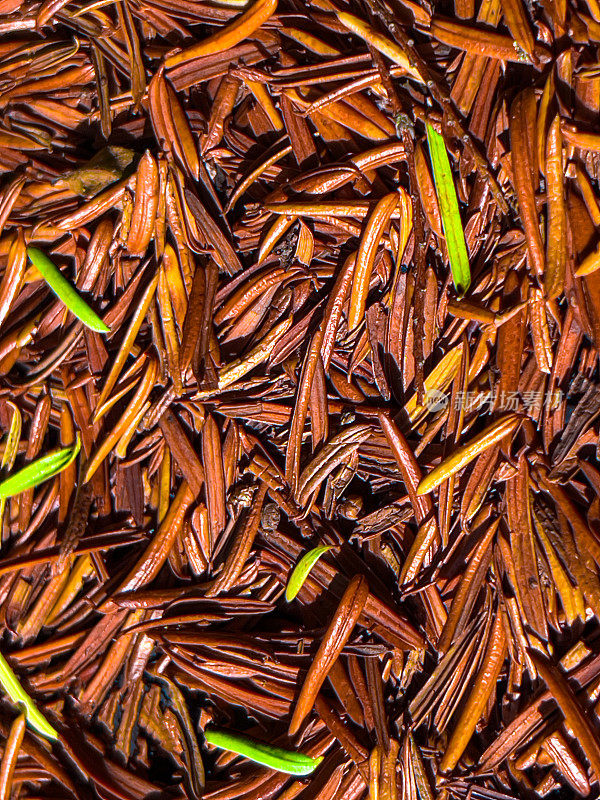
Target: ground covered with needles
(332, 279)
